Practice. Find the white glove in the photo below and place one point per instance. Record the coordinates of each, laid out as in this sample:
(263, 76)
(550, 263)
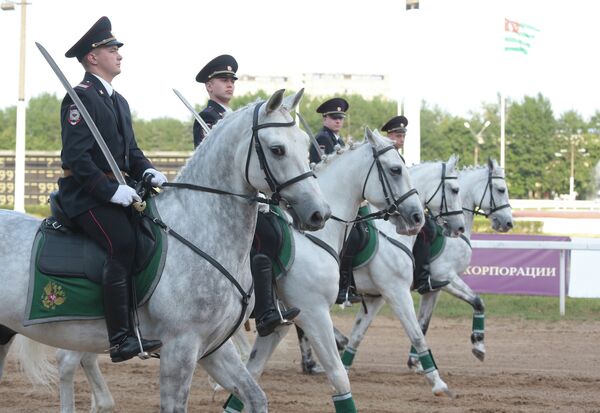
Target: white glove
(125, 196)
(158, 178)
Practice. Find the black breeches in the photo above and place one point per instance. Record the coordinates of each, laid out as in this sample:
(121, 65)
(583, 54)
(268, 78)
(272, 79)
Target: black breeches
(267, 240)
(110, 226)
(422, 246)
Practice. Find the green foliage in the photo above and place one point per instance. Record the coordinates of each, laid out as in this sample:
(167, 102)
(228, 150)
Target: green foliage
(534, 136)
(502, 306)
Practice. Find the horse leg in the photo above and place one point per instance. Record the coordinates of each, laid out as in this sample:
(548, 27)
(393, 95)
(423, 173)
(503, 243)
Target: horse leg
(318, 327)
(67, 361)
(460, 289)
(401, 302)
(309, 364)
(178, 359)
(361, 323)
(426, 307)
(6, 338)
(102, 400)
(226, 367)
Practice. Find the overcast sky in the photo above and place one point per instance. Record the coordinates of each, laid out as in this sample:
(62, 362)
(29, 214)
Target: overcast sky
(449, 52)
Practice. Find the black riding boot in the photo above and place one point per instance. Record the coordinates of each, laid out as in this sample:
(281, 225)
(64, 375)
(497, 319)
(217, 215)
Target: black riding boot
(346, 292)
(267, 316)
(422, 277)
(115, 293)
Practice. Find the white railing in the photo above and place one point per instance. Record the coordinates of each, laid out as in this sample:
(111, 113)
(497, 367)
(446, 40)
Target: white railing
(592, 245)
(555, 204)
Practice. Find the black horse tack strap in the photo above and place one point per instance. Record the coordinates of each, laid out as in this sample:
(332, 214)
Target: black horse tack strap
(222, 270)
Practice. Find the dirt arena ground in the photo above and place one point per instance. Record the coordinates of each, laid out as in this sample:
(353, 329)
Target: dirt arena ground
(530, 367)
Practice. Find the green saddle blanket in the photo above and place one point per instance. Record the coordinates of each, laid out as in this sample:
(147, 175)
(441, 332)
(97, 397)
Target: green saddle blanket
(366, 254)
(54, 297)
(438, 244)
(285, 258)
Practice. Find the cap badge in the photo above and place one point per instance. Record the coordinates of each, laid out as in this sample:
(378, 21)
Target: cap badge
(230, 68)
(339, 109)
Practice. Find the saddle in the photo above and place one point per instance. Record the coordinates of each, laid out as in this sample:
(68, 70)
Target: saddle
(67, 252)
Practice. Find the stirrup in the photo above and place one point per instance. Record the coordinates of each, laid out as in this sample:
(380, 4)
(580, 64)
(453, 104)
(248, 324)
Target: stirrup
(144, 355)
(284, 321)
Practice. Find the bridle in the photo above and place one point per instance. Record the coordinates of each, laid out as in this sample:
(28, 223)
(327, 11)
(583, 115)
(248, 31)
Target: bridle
(493, 206)
(275, 186)
(444, 212)
(388, 192)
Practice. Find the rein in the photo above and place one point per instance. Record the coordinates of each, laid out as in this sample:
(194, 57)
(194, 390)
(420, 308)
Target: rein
(444, 202)
(274, 200)
(493, 207)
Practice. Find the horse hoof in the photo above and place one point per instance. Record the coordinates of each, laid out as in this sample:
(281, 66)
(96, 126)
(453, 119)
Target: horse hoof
(479, 353)
(445, 392)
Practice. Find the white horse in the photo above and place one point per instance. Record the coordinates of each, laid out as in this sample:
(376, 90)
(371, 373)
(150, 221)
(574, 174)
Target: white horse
(483, 190)
(194, 308)
(371, 168)
(372, 171)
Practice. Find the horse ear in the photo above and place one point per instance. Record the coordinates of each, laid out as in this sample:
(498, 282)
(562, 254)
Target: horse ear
(452, 161)
(291, 102)
(490, 164)
(274, 101)
(370, 136)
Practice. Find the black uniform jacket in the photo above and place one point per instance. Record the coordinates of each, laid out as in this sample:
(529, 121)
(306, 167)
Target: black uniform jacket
(326, 140)
(86, 183)
(211, 115)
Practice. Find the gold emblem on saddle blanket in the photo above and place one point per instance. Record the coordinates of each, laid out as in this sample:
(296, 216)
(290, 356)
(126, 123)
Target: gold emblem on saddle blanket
(53, 296)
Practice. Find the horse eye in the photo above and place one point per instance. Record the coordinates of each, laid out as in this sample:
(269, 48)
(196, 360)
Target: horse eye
(502, 190)
(455, 190)
(277, 150)
(396, 170)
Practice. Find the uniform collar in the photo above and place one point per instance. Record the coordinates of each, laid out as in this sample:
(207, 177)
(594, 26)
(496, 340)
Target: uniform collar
(218, 105)
(107, 86)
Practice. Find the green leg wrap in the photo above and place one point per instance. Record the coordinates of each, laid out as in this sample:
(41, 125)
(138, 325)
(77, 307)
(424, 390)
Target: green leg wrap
(233, 405)
(478, 323)
(426, 359)
(348, 356)
(413, 352)
(344, 403)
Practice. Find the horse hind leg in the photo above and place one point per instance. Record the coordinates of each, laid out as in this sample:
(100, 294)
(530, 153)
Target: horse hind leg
(364, 317)
(6, 338)
(309, 364)
(426, 307)
(102, 400)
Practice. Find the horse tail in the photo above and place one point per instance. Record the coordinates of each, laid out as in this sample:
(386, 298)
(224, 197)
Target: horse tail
(34, 363)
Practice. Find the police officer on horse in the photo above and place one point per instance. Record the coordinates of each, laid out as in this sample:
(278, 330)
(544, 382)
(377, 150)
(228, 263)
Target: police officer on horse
(219, 76)
(422, 282)
(89, 192)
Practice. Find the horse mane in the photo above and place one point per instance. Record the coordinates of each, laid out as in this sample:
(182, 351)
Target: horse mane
(338, 152)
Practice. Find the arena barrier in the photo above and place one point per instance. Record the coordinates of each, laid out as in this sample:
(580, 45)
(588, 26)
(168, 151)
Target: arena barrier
(524, 264)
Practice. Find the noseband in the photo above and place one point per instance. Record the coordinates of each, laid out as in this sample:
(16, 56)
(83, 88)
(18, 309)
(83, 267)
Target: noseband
(444, 212)
(493, 207)
(275, 186)
(388, 192)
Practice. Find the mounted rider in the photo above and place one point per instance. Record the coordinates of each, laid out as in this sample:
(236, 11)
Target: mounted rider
(422, 282)
(219, 76)
(89, 192)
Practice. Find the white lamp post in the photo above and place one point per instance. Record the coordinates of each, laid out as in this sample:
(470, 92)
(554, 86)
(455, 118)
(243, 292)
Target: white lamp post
(19, 193)
(478, 138)
(573, 140)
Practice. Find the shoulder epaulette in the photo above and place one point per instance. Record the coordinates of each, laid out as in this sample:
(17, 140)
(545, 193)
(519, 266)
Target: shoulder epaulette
(84, 85)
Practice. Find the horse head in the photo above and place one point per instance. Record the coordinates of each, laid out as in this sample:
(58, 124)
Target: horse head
(278, 165)
(496, 204)
(441, 190)
(389, 188)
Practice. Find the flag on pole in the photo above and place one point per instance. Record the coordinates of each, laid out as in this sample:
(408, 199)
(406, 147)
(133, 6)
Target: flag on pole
(518, 36)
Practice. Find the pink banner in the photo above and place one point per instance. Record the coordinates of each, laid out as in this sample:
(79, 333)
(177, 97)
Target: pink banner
(516, 271)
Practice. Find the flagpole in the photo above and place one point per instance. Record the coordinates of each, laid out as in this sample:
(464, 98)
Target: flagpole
(502, 129)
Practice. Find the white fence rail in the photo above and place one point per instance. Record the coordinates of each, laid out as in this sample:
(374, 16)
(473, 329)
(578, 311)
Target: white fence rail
(591, 245)
(555, 204)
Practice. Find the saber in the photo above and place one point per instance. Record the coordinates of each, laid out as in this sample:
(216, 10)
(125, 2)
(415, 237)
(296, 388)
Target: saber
(203, 124)
(310, 135)
(114, 168)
